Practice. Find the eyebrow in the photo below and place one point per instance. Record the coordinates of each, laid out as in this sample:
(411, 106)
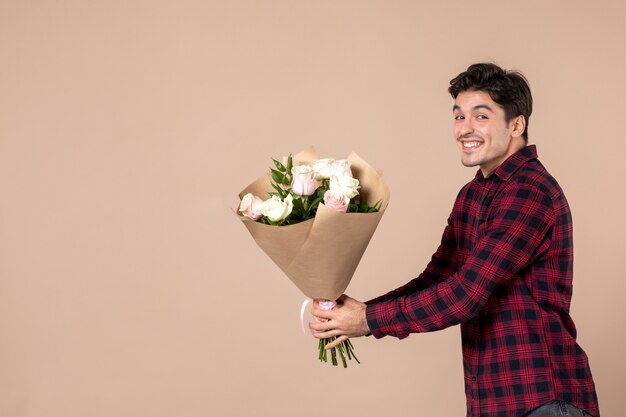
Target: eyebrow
(477, 107)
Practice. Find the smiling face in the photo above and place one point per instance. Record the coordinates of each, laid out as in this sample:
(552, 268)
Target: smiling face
(482, 133)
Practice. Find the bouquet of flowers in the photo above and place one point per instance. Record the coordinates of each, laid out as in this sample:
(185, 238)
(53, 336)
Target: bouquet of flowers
(315, 224)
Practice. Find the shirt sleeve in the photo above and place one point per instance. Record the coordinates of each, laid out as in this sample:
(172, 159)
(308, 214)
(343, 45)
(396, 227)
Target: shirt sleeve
(517, 231)
(442, 264)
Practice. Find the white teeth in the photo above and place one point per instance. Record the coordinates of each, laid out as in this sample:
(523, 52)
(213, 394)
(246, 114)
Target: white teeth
(470, 144)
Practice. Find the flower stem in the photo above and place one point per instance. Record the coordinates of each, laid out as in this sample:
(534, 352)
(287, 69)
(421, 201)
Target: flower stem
(345, 349)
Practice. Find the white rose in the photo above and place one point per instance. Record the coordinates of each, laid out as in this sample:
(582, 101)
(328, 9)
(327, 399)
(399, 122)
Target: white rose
(344, 185)
(276, 209)
(323, 168)
(341, 167)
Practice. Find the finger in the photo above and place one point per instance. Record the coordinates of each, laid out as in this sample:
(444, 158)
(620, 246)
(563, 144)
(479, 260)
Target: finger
(325, 334)
(322, 314)
(337, 342)
(317, 326)
(321, 326)
(319, 331)
(319, 320)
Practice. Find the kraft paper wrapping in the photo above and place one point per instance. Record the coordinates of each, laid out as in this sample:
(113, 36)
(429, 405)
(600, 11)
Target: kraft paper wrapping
(320, 255)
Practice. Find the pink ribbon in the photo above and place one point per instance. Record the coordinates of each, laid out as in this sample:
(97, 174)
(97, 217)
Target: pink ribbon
(324, 305)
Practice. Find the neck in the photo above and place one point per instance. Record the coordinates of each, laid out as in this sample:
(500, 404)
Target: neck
(516, 144)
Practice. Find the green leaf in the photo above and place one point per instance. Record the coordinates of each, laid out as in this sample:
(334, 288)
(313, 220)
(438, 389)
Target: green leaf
(281, 192)
(289, 163)
(297, 204)
(278, 176)
(316, 202)
(279, 166)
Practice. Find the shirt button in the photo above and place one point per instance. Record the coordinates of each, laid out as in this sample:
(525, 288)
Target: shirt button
(474, 379)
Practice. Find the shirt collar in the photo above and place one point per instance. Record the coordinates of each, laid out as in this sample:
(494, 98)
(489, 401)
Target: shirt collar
(512, 163)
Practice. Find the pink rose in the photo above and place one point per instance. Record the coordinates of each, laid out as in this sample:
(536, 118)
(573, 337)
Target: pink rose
(336, 200)
(303, 182)
(251, 206)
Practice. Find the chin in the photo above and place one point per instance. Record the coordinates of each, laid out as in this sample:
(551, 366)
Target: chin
(469, 164)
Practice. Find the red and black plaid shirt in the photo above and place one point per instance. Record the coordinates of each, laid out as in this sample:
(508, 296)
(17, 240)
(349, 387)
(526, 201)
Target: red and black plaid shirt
(504, 272)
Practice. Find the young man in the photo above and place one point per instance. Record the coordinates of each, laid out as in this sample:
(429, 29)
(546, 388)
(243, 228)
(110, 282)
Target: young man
(503, 270)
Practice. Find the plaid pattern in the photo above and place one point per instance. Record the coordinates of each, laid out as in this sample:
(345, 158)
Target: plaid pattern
(504, 272)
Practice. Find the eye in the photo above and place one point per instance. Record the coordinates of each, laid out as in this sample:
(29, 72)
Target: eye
(458, 117)
(482, 117)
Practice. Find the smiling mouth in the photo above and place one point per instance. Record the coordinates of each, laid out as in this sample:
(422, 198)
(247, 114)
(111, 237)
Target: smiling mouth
(469, 145)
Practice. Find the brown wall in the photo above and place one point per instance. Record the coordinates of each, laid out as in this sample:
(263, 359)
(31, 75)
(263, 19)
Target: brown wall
(127, 286)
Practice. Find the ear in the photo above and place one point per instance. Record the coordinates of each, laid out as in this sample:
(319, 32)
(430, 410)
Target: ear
(519, 126)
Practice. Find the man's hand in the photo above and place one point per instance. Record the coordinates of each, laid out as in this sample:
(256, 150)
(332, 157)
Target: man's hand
(344, 321)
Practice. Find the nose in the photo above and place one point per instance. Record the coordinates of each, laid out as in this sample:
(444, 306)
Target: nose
(464, 127)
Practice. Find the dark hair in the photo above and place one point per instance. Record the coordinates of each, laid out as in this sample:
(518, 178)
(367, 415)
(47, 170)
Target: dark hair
(507, 88)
